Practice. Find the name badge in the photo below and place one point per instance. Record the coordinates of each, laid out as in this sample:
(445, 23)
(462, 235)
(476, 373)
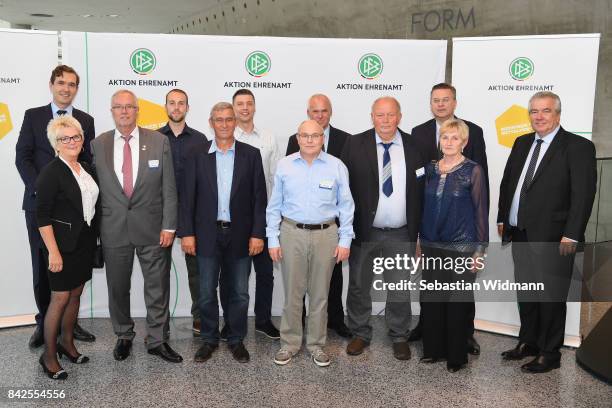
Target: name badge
(326, 184)
(153, 164)
(420, 172)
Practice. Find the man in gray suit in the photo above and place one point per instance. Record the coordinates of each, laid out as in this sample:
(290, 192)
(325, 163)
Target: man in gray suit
(139, 214)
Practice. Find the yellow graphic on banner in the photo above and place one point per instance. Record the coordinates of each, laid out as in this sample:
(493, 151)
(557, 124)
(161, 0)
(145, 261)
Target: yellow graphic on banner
(5, 120)
(511, 124)
(151, 115)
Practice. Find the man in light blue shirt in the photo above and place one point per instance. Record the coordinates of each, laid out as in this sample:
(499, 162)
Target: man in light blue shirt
(311, 190)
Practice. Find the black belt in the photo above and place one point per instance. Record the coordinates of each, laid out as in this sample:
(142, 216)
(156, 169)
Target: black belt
(224, 224)
(312, 226)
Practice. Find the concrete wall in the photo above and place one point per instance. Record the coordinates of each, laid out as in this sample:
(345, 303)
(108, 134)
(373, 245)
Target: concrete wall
(435, 19)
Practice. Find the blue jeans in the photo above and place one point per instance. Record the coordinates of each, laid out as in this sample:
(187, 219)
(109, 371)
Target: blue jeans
(235, 272)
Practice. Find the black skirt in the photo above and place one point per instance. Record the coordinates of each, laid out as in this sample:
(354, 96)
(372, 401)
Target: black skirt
(77, 264)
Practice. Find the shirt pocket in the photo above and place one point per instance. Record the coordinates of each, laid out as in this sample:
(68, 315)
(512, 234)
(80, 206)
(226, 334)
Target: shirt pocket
(327, 191)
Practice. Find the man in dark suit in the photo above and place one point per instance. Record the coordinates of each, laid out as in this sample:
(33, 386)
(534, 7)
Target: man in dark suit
(33, 152)
(386, 179)
(443, 102)
(223, 222)
(545, 200)
(320, 110)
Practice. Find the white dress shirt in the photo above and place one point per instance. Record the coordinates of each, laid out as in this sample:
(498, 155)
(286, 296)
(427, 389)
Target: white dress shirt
(326, 137)
(266, 143)
(89, 191)
(118, 154)
(391, 211)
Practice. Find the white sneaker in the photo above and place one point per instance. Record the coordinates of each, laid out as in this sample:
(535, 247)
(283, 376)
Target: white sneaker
(320, 358)
(283, 356)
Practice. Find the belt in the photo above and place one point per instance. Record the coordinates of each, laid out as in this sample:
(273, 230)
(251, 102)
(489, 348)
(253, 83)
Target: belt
(386, 229)
(224, 224)
(312, 226)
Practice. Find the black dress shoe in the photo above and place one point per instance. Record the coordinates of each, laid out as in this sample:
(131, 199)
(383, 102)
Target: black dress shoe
(401, 350)
(122, 349)
(472, 346)
(204, 352)
(341, 330)
(416, 334)
(57, 375)
(83, 335)
(269, 330)
(78, 359)
(37, 339)
(165, 351)
(453, 368)
(540, 364)
(521, 351)
(240, 353)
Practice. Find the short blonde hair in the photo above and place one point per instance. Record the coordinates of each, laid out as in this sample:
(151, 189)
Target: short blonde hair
(462, 129)
(54, 128)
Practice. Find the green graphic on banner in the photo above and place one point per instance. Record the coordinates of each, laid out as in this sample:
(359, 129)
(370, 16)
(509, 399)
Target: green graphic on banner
(521, 68)
(143, 61)
(258, 63)
(370, 66)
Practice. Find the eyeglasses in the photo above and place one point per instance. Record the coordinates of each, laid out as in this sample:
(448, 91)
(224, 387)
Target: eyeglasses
(68, 139)
(220, 121)
(313, 136)
(124, 107)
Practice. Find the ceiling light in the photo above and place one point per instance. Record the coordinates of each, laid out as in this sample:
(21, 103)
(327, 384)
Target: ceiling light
(41, 15)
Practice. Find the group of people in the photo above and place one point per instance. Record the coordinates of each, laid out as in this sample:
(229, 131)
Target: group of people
(235, 203)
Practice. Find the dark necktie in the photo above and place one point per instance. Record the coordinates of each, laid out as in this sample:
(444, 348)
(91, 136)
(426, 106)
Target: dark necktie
(126, 167)
(529, 177)
(387, 186)
(61, 112)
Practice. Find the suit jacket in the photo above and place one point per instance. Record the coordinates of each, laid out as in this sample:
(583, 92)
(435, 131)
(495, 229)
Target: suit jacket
(33, 150)
(153, 206)
(360, 157)
(337, 138)
(59, 203)
(560, 197)
(248, 199)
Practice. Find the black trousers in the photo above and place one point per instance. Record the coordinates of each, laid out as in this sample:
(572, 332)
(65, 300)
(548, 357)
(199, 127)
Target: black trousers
(42, 291)
(543, 313)
(448, 313)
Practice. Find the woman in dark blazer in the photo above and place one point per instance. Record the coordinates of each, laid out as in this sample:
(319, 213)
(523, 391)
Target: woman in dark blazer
(66, 197)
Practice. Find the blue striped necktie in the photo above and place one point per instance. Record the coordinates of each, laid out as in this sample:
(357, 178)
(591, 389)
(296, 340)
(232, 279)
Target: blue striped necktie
(387, 186)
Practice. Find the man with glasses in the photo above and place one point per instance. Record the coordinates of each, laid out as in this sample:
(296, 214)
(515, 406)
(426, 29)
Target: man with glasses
(33, 152)
(139, 206)
(311, 191)
(223, 223)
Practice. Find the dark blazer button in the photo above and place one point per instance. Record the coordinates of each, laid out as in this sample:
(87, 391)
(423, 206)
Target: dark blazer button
(129, 207)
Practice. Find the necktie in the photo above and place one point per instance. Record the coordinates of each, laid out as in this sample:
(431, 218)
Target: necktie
(387, 186)
(126, 168)
(529, 177)
(61, 112)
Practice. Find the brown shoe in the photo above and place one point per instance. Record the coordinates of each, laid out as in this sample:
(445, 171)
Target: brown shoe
(401, 350)
(356, 346)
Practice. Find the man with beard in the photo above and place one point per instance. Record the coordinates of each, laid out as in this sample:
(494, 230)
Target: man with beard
(181, 137)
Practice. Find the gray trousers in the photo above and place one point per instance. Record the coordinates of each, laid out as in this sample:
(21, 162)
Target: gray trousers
(155, 265)
(398, 313)
(308, 262)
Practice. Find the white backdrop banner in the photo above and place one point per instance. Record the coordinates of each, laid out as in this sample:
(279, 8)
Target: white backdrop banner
(28, 57)
(495, 77)
(282, 73)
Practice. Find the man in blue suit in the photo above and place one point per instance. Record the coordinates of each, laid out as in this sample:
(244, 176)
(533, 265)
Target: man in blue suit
(223, 221)
(33, 152)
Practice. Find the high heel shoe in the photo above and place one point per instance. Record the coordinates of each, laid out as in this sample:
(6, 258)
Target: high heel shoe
(58, 375)
(79, 359)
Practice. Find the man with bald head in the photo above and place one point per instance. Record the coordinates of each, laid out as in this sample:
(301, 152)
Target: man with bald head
(386, 180)
(139, 215)
(320, 110)
(310, 191)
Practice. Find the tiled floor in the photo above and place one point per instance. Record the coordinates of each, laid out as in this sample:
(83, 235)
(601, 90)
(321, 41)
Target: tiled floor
(374, 379)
